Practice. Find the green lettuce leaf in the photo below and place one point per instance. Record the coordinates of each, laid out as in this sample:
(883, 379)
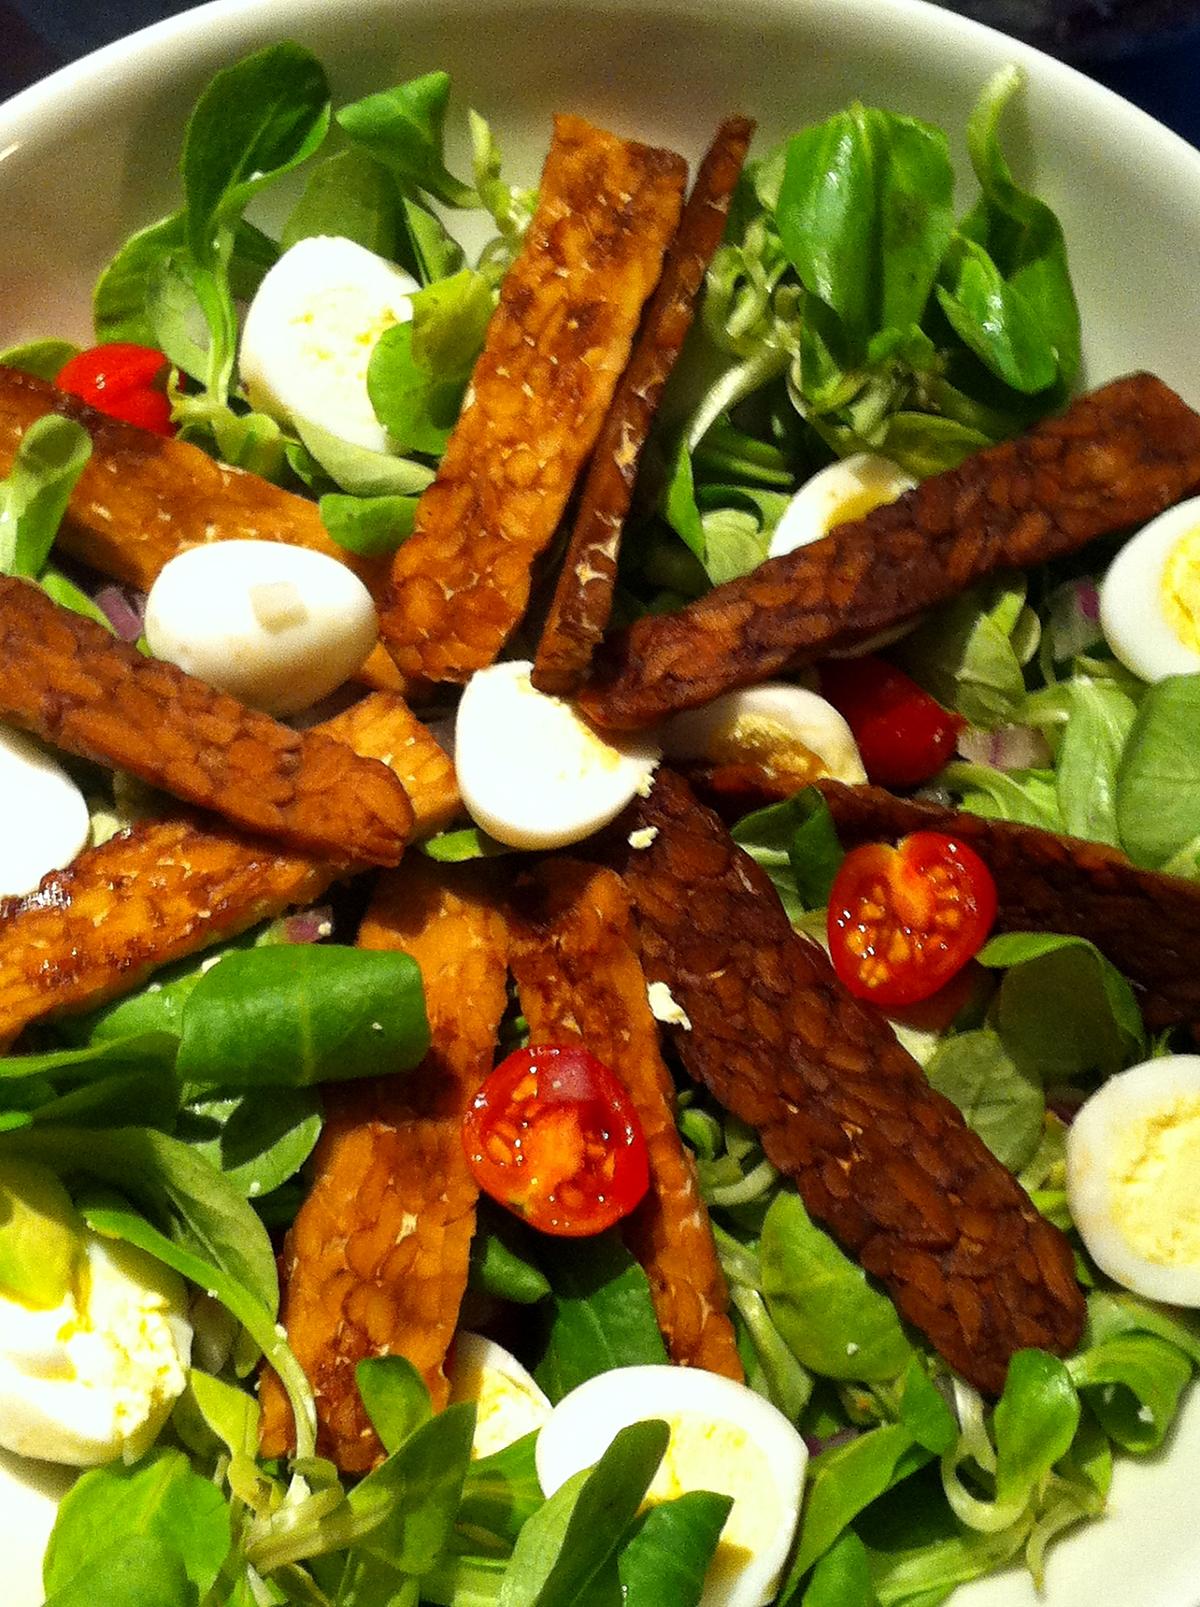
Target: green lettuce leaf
(1002, 1100)
(602, 1315)
(567, 1546)
(52, 454)
(404, 128)
(419, 370)
(293, 1015)
(830, 1316)
(1062, 1010)
(1158, 782)
(158, 1500)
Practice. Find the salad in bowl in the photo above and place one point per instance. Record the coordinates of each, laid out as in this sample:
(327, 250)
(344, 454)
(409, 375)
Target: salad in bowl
(597, 929)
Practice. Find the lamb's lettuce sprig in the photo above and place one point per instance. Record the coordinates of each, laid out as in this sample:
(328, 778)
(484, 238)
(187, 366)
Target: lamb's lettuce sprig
(179, 283)
(50, 457)
(974, 1487)
(849, 310)
(177, 1110)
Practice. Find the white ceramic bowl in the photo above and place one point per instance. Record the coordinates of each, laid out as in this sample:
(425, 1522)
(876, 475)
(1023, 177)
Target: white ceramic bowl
(91, 153)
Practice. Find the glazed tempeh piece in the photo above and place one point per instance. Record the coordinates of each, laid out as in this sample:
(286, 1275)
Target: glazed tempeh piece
(376, 1263)
(382, 726)
(70, 682)
(1147, 924)
(1114, 459)
(579, 980)
(143, 499)
(583, 597)
(164, 889)
(556, 347)
(886, 1163)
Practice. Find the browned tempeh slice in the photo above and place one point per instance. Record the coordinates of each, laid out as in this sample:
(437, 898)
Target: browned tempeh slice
(580, 981)
(583, 597)
(1147, 924)
(165, 889)
(885, 1162)
(70, 682)
(376, 1263)
(143, 499)
(382, 726)
(555, 349)
(1114, 459)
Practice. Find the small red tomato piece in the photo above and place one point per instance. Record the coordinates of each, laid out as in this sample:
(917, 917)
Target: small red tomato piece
(902, 921)
(904, 735)
(553, 1136)
(122, 380)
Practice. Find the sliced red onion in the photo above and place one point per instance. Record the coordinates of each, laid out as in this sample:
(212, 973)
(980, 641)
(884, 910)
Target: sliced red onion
(1074, 619)
(1011, 747)
(309, 926)
(816, 1444)
(1065, 1103)
(123, 609)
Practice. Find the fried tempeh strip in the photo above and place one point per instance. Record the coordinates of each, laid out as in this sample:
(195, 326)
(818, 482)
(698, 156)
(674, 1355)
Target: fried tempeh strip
(583, 597)
(143, 499)
(556, 347)
(579, 979)
(382, 726)
(1147, 924)
(70, 682)
(164, 889)
(885, 1162)
(376, 1263)
(1113, 460)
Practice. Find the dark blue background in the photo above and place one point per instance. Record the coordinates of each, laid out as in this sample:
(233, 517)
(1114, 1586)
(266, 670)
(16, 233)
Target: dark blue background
(1161, 73)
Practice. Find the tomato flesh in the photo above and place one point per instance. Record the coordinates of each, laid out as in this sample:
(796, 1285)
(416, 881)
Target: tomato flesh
(122, 380)
(902, 921)
(553, 1135)
(904, 735)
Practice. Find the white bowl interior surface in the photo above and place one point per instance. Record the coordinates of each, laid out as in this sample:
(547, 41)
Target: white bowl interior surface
(91, 154)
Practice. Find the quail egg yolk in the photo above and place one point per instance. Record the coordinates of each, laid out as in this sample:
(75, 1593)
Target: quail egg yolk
(1181, 589)
(780, 753)
(721, 1455)
(1153, 1172)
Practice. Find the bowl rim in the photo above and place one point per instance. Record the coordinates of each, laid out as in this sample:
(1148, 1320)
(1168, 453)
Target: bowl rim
(920, 20)
(242, 24)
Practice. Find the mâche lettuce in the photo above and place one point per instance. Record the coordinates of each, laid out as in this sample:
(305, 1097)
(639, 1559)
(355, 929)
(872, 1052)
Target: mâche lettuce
(852, 305)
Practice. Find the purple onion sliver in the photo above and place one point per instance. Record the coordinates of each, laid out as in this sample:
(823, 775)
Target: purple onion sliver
(1087, 594)
(124, 610)
(816, 1444)
(1065, 1103)
(1012, 747)
(309, 926)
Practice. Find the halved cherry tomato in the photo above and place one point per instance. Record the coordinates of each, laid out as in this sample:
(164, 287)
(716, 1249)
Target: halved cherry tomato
(553, 1136)
(121, 379)
(904, 735)
(903, 921)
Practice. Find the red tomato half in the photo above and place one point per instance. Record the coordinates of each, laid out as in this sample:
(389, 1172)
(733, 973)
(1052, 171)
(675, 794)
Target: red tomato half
(122, 380)
(903, 921)
(903, 734)
(553, 1136)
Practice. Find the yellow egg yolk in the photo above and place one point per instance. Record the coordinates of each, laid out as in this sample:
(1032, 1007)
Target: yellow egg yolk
(505, 1408)
(1153, 1173)
(858, 504)
(754, 738)
(577, 745)
(1180, 589)
(706, 1455)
